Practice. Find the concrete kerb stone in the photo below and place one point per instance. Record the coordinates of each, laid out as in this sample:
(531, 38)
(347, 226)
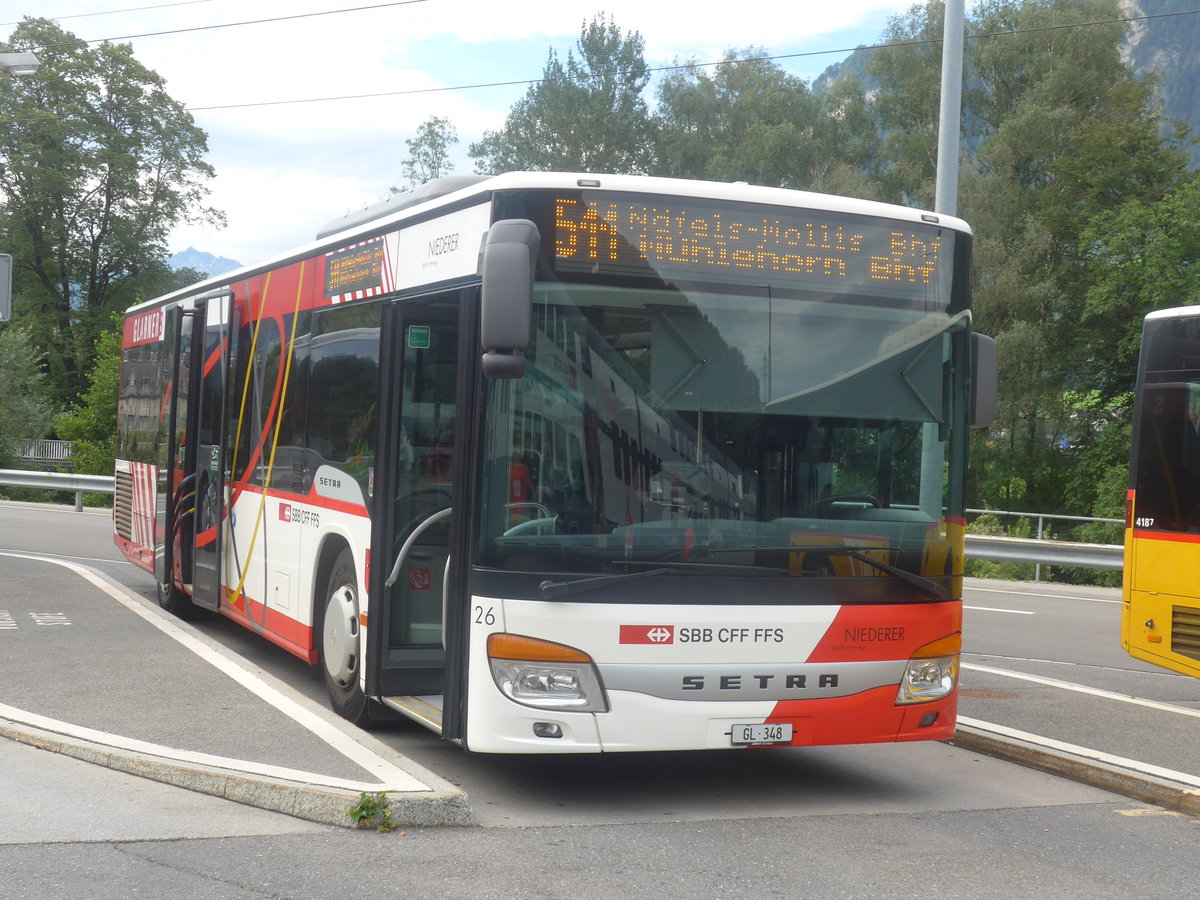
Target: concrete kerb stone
(440, 803)
(1138, 785)
(315, 803)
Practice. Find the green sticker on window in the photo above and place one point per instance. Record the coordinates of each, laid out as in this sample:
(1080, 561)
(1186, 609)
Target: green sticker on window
(418, 337)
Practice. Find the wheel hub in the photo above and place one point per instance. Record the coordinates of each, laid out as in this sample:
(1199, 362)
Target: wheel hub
(339, 644)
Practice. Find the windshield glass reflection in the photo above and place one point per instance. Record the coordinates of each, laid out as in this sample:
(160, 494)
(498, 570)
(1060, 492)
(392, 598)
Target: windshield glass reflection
(656, 425)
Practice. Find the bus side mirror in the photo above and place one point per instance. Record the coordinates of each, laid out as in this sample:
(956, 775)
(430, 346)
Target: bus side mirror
(984, 379)
(509, 254)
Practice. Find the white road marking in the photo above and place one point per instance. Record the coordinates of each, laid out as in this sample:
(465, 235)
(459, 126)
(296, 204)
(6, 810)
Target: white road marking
(175, 754)
(1034, 594)
(1085, 752)
(1015, 612)
(1151, 673)
(1084, 689)
(395, 778)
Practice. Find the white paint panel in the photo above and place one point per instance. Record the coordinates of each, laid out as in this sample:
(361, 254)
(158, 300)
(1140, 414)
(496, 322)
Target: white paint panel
(443, 248)
(710, 634)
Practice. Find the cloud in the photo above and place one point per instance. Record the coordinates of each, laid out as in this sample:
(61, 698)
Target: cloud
(283, 170)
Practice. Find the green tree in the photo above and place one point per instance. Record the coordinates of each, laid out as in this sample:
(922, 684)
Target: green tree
(906, 105)
(26, 407)
(1142, 256)
(429, 152)
(97, 165)
(586, 115)
(1066, 134)
(91, 424)
(747, 120)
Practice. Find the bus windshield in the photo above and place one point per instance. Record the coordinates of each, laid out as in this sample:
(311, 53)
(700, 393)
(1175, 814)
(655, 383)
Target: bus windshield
(1166, 470)
(722, 425)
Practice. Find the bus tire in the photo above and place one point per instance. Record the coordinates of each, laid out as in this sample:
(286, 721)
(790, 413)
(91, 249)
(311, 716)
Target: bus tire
(175, 601)
(341, 640)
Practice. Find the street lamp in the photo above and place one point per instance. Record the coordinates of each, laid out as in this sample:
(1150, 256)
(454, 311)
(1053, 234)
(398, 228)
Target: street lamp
(19, 63)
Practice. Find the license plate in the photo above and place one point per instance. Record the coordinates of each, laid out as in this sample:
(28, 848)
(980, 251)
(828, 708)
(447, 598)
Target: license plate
(745, 735)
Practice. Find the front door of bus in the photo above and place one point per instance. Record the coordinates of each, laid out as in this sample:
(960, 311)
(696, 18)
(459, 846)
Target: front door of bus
(197, 360)
(210, 344)
(413, 500)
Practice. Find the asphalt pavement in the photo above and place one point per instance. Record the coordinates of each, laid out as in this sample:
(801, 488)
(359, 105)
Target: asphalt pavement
(1084, 710)
(92, 671)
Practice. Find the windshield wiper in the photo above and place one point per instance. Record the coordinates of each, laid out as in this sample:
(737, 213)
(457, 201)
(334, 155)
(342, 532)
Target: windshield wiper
(549, 589)
(926, 586)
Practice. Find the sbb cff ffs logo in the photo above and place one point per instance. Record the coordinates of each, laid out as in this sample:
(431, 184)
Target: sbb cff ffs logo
(647, 634)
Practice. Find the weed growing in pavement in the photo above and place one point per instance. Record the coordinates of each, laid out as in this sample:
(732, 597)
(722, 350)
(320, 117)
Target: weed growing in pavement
(373, 809)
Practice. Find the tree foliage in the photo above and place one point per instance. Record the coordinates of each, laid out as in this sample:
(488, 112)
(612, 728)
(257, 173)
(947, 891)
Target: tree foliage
(746, 121)
(587, 115)
(908, 72)
(1066, 135)
(89, 424)
(97, 165)
(429, 152)
(1142, 256)
(26, 407)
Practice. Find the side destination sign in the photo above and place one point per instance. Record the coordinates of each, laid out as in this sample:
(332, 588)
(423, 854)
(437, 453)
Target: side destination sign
(355, 272)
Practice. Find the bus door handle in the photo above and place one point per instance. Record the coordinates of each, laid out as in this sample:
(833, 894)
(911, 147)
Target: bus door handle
(416, 533)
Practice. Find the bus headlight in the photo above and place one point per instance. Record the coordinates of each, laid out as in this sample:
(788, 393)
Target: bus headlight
(545, 675)
(931, 672)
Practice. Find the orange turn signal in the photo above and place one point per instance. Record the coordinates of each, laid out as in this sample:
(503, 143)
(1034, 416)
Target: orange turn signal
(518, 646)
(950, 645)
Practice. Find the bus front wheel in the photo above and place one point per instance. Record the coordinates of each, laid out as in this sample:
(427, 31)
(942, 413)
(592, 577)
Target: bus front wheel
(341, 640)
(175, 601)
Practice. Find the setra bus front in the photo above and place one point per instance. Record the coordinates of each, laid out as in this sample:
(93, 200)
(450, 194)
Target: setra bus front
(717, 490)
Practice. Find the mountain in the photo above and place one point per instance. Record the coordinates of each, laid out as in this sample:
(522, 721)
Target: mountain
(191, 258)
(1167, 47)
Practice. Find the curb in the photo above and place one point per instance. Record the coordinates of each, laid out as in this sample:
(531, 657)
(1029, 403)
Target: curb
(436, 802)
(1144, 786)
(315, 803)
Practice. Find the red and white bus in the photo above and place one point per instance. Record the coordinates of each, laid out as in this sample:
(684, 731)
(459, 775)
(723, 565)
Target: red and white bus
(572, 463)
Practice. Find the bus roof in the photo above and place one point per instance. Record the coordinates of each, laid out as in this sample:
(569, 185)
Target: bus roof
(428, 198)
(1174, 313)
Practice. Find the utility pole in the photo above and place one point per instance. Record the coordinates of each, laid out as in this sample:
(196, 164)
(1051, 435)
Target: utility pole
(945, 202)
(950, 116)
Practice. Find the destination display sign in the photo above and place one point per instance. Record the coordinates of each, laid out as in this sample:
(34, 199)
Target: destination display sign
(355, 269)
(639, 235)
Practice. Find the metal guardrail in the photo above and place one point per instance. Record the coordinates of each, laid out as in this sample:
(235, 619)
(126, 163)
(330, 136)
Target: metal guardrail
(60, 481)
(1047, 553)
(979, 546)
(1042, 552)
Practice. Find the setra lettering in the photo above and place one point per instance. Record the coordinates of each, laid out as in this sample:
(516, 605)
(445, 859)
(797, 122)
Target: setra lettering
(749, 683)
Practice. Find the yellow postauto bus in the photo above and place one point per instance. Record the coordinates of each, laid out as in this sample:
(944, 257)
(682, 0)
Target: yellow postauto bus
(1161, 617)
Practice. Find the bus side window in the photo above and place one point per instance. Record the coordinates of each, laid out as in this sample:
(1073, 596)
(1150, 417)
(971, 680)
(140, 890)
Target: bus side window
(342, 384)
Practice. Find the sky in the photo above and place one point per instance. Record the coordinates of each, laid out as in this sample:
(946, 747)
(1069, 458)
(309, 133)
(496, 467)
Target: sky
(284, 169)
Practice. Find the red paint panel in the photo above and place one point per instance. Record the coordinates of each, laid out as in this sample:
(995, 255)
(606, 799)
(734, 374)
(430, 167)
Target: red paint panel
(871, 717)
(294, 637)
(862, 633)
